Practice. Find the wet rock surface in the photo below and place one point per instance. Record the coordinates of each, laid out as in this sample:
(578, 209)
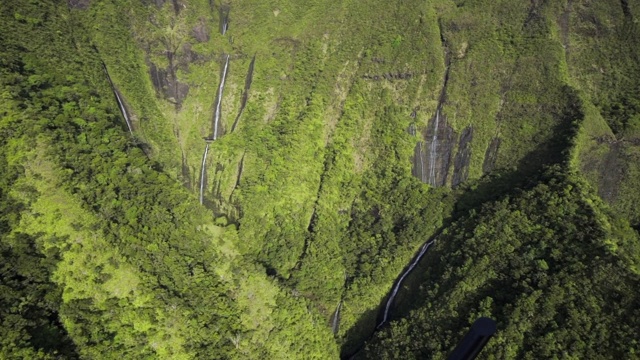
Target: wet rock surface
(432, 155)
(463, 157)
(389, 76)
(439, 151)
(223, 25)
(79, 4)
(491, 155)
(187, 57)
(175, 4)
(201, 31)
(167, 85)
(418, 169)
(245, 93)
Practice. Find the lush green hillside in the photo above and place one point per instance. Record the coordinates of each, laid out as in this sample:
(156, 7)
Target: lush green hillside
(548, 264)
(350, 134)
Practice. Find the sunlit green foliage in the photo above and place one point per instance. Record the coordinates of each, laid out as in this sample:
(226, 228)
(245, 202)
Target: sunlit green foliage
(311, 202)
(557, 276)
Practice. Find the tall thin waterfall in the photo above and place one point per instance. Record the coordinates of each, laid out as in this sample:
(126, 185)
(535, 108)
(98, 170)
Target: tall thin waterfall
(219, 102)
(202, 171)
(422, 174)
(123, 110)
(392, 297)
(336, 318)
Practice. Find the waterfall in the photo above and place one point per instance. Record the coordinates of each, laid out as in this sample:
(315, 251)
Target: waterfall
(336, 318)
(202, 171)
(404, 275)
(123, 110)
(225, 25)
(433, 151)
(422, 174)
(216, 117)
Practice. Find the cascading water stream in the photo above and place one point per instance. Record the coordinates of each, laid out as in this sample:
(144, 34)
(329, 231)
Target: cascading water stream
(216, 117)
(225, 25)
(336, 318)
(422, 174)
(392, 297)
(433, 151)
(216, 120)
(204, 160)
(123, 110)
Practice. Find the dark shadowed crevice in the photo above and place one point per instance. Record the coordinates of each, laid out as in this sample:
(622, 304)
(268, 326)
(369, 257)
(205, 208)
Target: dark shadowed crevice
(201, 31)
(245, 93)
(224, 18)
(436, 153)
(463, 157)
(433, 152)
(79, 4)
(491, 155)
(625, 9)
(176, 6)
(166, 84)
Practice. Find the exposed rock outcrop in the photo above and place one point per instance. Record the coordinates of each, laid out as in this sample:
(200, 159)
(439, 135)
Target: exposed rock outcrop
(491, 155)
(439, 141)
(79, 4)
(245, 92)
(201, 31)
(432, 155)
(389, 76)
(463, 156)
(167, 85)
(224, 18)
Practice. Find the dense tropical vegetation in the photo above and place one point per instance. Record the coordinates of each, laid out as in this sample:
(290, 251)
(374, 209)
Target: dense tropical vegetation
(352, 133)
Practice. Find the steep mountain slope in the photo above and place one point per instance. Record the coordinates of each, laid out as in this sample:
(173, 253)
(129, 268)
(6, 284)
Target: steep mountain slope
(326, 142)
(545, 263)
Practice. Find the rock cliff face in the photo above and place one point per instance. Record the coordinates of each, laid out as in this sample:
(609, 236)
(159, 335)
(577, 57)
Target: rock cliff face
(167, 85)
(433, 154)
(463, 157)
(311, 147)
(491, 155)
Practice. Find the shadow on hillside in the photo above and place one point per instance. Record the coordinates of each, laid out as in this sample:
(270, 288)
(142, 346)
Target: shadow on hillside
(526, 174)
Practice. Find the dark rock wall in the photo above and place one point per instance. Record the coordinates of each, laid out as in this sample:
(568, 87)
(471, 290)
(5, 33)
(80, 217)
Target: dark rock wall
(463, 156)
(167, 85)
(432, 155)
(491, 155)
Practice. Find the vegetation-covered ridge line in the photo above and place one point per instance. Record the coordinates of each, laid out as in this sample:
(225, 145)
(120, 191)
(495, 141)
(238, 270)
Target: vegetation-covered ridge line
(317, 224)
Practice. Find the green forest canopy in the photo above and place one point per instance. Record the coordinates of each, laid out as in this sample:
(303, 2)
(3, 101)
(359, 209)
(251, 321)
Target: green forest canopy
(313, 203)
